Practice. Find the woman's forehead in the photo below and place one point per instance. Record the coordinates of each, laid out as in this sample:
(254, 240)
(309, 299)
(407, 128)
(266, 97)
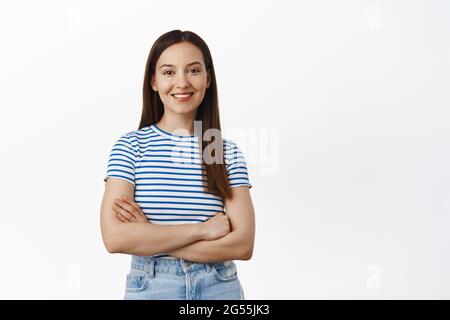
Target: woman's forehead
(181, 54)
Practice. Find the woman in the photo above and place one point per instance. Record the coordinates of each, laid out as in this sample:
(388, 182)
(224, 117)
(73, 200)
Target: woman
(174, 200)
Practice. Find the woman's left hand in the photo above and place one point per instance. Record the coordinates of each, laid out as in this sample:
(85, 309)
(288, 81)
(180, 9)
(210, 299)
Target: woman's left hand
(129, 211)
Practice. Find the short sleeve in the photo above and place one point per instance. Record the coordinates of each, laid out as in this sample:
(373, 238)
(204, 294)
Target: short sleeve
(236, 166)
(122, 161)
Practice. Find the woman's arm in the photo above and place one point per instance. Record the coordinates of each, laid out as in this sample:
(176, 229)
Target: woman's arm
(136, 237)
(238, 244)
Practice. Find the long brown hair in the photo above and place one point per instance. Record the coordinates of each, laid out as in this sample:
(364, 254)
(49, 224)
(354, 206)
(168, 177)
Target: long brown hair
(207, 112)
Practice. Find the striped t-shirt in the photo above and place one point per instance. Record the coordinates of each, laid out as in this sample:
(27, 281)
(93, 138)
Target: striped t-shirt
(166, 172)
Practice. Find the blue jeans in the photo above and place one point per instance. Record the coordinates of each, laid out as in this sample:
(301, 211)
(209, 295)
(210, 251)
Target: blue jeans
(170, 278)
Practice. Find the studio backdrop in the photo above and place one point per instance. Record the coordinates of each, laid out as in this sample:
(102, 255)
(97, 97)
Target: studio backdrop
(341, 109)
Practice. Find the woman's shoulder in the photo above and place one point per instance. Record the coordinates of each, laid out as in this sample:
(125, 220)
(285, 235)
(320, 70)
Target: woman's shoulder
(231, 148)
(136, 134)
(228, 142)
(134, 139)
(228, 145)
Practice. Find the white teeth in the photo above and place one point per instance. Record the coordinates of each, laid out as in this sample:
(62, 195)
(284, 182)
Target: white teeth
(181, 96)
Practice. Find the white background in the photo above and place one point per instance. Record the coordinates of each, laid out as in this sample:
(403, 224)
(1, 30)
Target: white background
(350, 100)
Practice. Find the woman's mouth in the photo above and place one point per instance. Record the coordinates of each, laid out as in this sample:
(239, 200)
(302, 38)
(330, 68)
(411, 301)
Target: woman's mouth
(182, 97)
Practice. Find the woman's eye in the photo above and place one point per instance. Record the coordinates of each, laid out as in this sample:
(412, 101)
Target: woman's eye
(169, 72)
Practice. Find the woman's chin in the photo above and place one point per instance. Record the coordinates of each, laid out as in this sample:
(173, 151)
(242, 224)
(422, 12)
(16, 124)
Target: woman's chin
(183, 109)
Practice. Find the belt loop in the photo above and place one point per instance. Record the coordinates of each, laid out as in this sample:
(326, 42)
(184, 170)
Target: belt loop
(208, 267)
(151, 267)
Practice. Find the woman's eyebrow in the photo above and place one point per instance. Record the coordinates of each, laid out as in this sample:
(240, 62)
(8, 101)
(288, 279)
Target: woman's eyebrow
(171, 65)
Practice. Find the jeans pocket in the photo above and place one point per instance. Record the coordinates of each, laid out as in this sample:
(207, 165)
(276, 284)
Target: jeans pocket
(225, 271)
(136, 281)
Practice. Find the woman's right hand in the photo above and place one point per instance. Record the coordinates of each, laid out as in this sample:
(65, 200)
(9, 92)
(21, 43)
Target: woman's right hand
(216, 227)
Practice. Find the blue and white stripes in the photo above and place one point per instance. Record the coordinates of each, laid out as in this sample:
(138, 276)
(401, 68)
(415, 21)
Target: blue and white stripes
(166, 172)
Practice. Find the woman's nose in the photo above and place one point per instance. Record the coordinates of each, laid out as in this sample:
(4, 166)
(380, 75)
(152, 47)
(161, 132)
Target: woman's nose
(182, 81)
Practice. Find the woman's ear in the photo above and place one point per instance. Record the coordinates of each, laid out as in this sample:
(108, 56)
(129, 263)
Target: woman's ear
(153, 84)
(208, 80)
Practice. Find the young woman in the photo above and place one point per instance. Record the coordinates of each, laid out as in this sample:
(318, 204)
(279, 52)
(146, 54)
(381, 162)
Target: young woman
(175, 199)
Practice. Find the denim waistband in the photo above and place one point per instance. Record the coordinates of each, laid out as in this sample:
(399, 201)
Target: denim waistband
(172, 265)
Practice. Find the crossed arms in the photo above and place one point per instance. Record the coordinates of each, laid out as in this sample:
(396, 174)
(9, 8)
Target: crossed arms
(200, 242)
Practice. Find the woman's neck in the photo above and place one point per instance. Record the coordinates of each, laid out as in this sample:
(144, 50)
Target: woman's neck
(173, 123)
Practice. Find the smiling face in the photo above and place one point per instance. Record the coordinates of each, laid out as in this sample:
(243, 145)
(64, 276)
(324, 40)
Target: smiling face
(181, 78)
